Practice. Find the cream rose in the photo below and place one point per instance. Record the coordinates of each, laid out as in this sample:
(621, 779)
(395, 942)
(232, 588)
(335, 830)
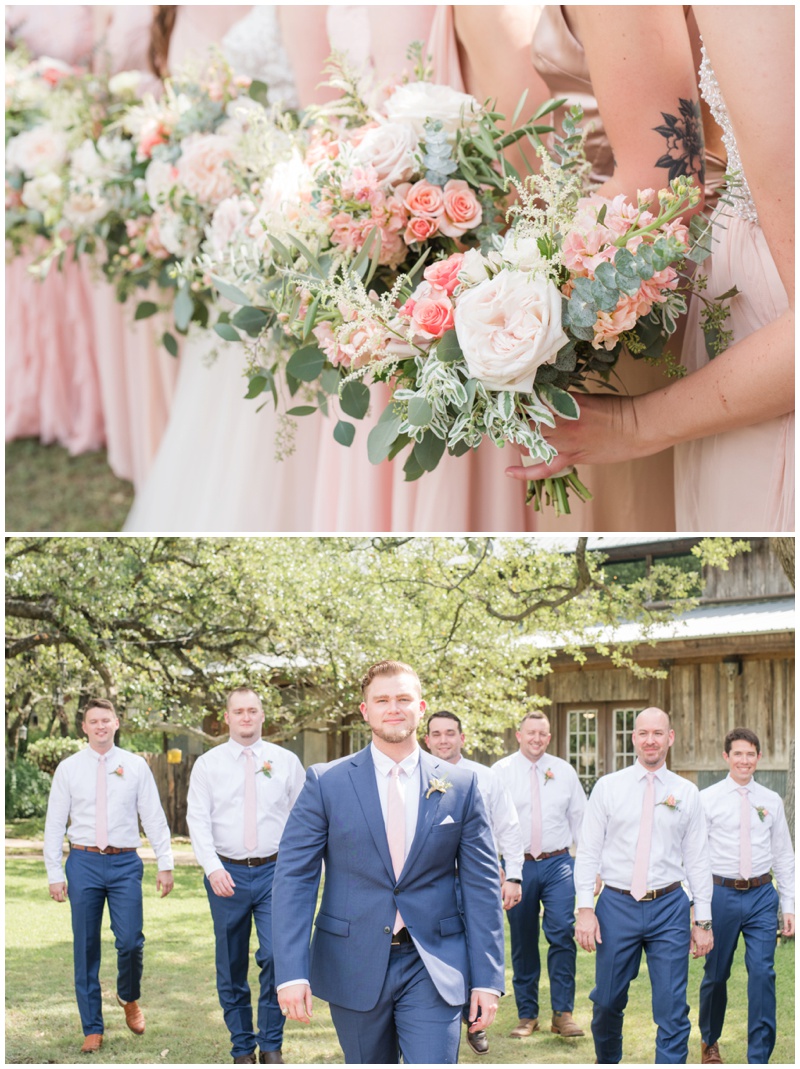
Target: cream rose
(417, 101)
(202, 170)
(85, 207)
(125, 83)
(38, 151)
(507, 327)
(389, 149)
(42, 193)
(522, 253)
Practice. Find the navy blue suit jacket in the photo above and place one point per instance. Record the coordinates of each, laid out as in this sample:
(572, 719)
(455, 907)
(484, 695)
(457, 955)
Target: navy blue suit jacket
(337, 819)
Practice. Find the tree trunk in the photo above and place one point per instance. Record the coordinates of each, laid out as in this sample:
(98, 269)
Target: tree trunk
(784, 551)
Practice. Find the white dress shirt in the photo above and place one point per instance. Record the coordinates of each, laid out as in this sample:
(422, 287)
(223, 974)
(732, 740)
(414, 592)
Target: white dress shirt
(215, 806)
(770, 838)
(679, 844)
(562, 799)
(131, 794)
(502, 814)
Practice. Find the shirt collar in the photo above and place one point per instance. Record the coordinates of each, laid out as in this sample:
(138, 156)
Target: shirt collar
(734, 786)
(238, 749)
(384, 764)
(109, 755)
(641, 771)
(532, 764)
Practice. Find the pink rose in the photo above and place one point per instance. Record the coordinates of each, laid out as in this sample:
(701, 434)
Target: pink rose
(420, 229)
(425, 199)
(152, 134)
(444, 273)
(431, 311)
(462, 212)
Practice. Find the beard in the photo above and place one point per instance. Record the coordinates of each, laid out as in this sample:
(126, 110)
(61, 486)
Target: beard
(394, 732)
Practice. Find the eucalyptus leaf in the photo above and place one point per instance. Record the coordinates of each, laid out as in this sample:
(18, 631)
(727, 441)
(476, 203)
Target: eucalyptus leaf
(354, 399)
(226, 332)
(306, 363)
(383, 434)
(448, 351)
(229, 292)
(145, 309)
(170, 343)
(329, 380)
(301, 410)
(183, 308)
(420, 412)
(344, 432)
(257, 385)
(429, 451)
(412, 468)
(251, 320)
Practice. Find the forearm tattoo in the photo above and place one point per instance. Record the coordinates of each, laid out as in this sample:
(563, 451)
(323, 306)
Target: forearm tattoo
(684, 137)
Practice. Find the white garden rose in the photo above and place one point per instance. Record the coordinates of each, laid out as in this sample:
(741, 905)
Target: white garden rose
(116, 154)
(176, 235)
(507, 327)
(84, 160)
(522, 253)
(473, 268)
(125, 83)
(389, 149)
(42, 193)
(227, 221)
(202, 167)
(417, 101)
(85, 207)
(38, 151)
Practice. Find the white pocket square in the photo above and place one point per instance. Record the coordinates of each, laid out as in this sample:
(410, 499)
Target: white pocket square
(447, 820)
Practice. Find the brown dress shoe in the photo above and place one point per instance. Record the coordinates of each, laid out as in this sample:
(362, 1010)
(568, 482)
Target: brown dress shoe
(564, 1025)
(134, 1018)
(709, 1054)
(245, 1059)
(92, 1043)
(526, 1026)
(270, 1057)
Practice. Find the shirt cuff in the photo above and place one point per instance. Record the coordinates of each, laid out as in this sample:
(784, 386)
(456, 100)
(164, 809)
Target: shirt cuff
(702, 911)
(165, 863)
(787, 905)
(289, 983)
(585, 900)
(489, 991)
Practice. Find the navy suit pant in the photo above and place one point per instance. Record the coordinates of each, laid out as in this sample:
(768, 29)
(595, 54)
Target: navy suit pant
(410, 1020)
(754, 914)
(233, 918)
(661, 928)
(93, 879)
(547, 883)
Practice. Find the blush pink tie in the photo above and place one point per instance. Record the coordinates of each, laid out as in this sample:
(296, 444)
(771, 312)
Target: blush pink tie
(745, 845)
(101, 806)
(250, 835)
(642, 860)
(396, 829)
(536, 814)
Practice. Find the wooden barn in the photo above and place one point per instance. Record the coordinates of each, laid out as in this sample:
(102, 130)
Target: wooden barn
(728, 663)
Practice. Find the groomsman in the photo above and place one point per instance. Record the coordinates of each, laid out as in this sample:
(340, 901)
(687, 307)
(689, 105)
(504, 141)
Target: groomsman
(550, 803)
(747, 836)
(240, 795)
(393, 953)
(103, 791)
(445, 740)
(644, 832)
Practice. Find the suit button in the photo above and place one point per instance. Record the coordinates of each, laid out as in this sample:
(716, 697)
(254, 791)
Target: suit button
(387, 931)
(396, 891)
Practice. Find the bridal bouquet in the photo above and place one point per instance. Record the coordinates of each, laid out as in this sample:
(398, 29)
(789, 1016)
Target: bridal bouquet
(371, 190)
(492, 342)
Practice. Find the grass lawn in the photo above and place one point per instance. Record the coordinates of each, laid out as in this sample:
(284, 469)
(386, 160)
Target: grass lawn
(48, 490)
(184, 1020)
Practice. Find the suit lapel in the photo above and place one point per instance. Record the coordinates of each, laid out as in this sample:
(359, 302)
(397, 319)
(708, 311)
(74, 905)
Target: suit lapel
(362, 775)
(428, 807)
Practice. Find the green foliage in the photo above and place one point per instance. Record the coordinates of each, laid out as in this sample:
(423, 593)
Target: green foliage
(47, 753)
(27, 790)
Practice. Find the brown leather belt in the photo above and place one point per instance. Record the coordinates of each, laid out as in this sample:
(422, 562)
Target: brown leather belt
(401, 937)
(650, 895)
(251, 862)
(108, 849)
(743, 885)
(544, 857)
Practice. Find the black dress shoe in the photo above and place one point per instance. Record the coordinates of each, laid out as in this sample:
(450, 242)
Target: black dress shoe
(270, 1057)
(479, 1041)
(245, 1059)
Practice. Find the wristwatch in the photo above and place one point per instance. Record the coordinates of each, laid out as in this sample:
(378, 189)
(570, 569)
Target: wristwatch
(705, 925)
(511, 879)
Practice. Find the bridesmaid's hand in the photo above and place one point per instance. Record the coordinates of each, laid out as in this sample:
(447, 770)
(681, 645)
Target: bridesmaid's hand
(610, 430)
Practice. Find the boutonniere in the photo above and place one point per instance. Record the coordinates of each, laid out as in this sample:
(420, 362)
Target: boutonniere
(671, 802)
(762, 812)
(549, 774)
(440, 785)
(266, 768)
(118, 771)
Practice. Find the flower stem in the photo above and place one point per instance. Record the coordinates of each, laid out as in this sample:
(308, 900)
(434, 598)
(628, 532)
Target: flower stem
(555, 491)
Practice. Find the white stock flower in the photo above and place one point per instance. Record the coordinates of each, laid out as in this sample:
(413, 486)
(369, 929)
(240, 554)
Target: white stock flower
(389, 149)
(417, 101)
(125, 83)
(38, 151)
(507, 327)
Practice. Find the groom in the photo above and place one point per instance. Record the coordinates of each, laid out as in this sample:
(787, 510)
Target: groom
(391, 954)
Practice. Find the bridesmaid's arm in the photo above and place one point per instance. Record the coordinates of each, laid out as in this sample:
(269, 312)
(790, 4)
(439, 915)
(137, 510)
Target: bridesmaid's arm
(644, 78)
(752, 381)
(304, 36)
(495, 43)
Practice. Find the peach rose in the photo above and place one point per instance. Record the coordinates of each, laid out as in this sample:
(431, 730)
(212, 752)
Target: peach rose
(444, 273)
(431, 311)
(420, 229)
(422, 198)
(462, 212)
